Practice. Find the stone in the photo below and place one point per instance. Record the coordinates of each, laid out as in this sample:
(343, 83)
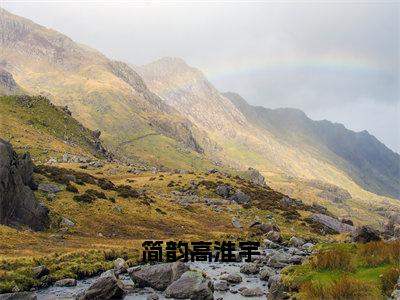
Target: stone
(263, 228)
(40, 271)
(223, 191)
(191, 285)
(365, 234)
(296, 242)
(18, 205)
(256, 177)
(255, 222)
(120, 266)
(66, 222)
(251, 292)
(51, 188)
(236, 223)
(266, 273)
(18, 296)
(273, 236)
(152, 297)
(332, 224)
(66, 282)
(232, 278)
(278, 291)
(158, 276)
(221, 286)
(107, 286)
(51, 197)
(273, 279)
(240, 197)
(249, 268)
(307, 246)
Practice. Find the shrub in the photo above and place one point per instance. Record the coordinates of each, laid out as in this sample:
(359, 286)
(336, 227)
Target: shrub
(377, 253)
(332, 259)
(388, 280)
(343, 288)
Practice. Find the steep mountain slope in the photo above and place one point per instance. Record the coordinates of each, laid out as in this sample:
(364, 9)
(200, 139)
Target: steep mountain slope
(8, 86)
(369, 162)
(100, 93)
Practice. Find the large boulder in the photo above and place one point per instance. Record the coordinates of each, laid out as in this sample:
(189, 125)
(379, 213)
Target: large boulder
(366, 234)
(240, 197)
(107, 286)
(18, 205)
(120, 265)
(332, 224)
(249, 268)
(191, 285)
(158, 276)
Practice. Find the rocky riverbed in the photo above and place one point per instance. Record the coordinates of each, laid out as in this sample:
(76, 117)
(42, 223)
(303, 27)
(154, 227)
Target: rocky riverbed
(192, 280)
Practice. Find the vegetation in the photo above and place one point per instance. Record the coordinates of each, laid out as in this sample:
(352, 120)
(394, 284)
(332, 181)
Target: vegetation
(347, 271)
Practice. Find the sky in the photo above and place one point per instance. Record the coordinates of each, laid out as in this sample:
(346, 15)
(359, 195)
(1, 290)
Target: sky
(334, 60)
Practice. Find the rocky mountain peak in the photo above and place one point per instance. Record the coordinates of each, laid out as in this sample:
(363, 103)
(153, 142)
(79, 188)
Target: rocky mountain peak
(7, 83)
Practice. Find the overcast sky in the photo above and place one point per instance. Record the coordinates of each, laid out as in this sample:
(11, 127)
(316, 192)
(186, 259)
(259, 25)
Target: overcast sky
(334, 60)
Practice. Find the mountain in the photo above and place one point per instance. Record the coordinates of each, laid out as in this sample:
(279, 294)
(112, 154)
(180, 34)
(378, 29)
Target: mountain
(366, 160)
(303, 163)
(101, 93)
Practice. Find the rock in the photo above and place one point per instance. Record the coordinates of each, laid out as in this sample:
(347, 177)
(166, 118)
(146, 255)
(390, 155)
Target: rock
(66, 282)
(96, 133)
(266, 273)
(236, 223)
(221, 285)
(223, 191)
(271, 244)
(263, 228)
(365, 234)
(51, 197)
(107, 286)
(40, 271)
(191, 285)
(332, 224)
(249, 268)
(273, 236)
(158, 276)
(278, 291)
(396, 293)
(251, 292)
(17, 201)
(232, 278)
(296, 259)
(296, 242)
(307, 246)
(256, 177)
(273, 279)
(18, 296)
(50, 187)
(240, 197)
(66, 222)
(256, 221)
(278, 259)
(347, 221)
(152, 297)
(120, 266)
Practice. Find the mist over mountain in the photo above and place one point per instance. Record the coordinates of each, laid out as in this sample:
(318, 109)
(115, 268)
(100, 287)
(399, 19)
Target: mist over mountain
(369, 162)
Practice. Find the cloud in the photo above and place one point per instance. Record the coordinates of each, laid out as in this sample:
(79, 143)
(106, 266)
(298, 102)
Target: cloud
(322, 57)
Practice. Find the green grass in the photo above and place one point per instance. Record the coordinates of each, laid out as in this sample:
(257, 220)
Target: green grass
(323, 272)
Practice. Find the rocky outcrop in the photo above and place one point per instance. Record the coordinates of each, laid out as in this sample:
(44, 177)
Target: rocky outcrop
(18, 205)
(332, 224)
(256, 177)
(8, 85)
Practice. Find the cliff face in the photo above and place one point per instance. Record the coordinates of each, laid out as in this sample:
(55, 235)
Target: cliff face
(18, 205)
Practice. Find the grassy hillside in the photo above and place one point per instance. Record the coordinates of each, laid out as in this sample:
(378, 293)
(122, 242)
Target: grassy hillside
(34, 124)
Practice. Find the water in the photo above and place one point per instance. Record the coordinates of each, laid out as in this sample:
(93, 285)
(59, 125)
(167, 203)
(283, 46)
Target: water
(214, 271)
